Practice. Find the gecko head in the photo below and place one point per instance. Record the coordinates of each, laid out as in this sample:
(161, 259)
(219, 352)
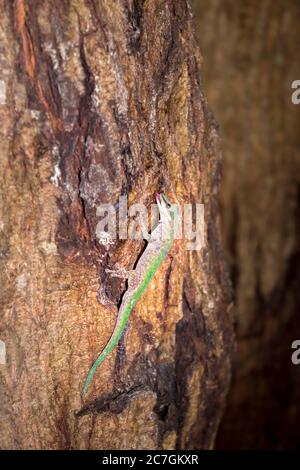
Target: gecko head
(164, 207)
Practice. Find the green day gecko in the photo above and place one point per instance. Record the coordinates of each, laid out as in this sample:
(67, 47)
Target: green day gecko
(159, 243)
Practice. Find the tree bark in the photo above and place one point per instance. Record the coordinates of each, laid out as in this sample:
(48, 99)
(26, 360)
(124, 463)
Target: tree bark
(99, 99)
(252, 56)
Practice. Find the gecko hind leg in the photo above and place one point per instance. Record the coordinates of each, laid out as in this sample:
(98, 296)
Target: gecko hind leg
(119, 272)
(131, 275)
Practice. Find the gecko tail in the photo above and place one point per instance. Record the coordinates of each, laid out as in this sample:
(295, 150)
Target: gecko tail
(107, 350)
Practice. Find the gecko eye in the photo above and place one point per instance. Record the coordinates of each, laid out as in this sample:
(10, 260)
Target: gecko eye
(167, 203)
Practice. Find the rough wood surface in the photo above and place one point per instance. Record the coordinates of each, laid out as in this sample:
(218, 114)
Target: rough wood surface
(98, 99)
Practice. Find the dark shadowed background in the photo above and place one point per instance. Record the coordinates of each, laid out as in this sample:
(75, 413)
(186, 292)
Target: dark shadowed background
(251, 55)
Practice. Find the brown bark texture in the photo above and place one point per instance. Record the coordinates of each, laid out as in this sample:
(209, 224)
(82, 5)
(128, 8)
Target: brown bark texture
(101, 98)
(252, 56)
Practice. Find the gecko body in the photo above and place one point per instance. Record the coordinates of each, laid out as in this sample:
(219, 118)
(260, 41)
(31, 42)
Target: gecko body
(158, 246)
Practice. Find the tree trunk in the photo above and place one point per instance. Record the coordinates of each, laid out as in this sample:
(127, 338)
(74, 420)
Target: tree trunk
(252, 56)
(98, 99)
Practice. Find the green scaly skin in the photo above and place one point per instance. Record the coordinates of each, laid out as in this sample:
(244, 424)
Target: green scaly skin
(153, 267)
